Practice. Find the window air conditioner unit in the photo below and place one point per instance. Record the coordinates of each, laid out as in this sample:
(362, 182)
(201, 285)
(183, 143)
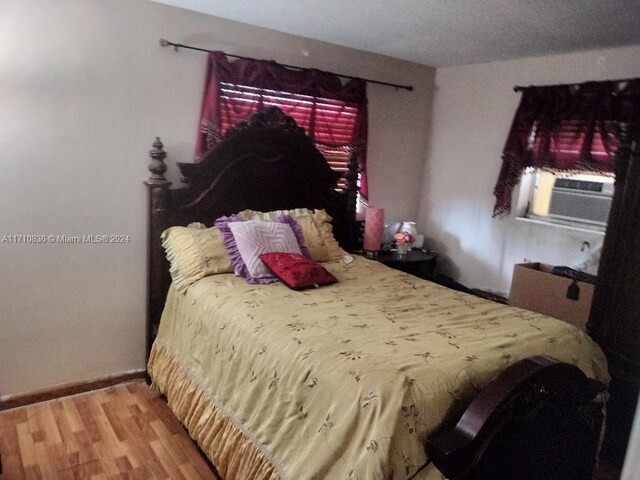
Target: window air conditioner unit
(581, 201)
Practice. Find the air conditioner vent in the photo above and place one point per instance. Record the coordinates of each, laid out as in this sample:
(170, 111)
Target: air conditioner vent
(582, 185)
(580, 206)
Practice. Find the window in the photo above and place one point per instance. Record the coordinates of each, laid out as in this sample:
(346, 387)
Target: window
(564, 128)
(333, 112)
(579, 200)
(328, 122)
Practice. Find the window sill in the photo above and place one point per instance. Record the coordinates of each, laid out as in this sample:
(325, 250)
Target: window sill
(566, 225)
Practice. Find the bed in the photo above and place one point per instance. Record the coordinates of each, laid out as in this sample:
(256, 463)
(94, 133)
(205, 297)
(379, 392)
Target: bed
(379, 376)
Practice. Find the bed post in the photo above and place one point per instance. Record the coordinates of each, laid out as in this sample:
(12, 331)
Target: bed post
(158, 187)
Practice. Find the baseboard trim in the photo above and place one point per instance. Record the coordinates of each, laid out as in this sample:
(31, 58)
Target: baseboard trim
(21, 400)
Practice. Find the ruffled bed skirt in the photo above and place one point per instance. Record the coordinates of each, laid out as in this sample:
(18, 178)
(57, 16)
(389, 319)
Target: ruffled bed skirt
(234, 455)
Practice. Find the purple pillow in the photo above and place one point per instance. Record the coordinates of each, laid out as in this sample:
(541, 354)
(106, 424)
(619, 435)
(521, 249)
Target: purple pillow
(246, 241)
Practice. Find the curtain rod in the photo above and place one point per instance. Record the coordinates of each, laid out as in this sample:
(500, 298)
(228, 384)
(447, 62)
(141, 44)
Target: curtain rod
(166, 43)
(519, 88)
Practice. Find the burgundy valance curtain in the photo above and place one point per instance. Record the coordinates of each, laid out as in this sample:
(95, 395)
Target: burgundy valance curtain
(565, 127)
(333, 114)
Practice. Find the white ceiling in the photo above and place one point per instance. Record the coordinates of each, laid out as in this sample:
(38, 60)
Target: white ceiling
(442, 32)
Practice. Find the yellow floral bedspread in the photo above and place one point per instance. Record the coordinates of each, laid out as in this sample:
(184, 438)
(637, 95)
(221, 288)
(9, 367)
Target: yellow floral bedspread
(341, 382)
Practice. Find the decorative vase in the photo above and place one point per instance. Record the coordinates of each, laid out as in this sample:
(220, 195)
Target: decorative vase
(402, 249)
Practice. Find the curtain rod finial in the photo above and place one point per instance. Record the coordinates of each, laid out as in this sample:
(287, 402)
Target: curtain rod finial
(164, 43)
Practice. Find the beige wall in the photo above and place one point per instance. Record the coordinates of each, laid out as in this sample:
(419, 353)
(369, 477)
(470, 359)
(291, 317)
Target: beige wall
(473, 109)
(84, 89)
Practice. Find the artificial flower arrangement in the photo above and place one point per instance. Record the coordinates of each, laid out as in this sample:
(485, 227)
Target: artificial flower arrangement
(404, 241)
(403, 238)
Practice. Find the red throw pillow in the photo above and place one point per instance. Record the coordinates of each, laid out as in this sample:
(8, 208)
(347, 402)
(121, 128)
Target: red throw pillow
(297, 271)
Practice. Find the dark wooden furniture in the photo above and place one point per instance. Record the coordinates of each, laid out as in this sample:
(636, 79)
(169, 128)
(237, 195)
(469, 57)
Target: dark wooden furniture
(416, 262)
(536, 421)
(267, 164)
(614, 321)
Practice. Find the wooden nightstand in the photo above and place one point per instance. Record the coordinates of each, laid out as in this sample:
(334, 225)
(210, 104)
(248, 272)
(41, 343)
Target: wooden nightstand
(417, 262)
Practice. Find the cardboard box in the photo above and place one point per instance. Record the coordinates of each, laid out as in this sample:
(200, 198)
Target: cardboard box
(535, 288)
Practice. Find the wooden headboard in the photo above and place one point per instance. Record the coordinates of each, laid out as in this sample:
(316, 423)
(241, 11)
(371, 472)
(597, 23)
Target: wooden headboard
(266, 163)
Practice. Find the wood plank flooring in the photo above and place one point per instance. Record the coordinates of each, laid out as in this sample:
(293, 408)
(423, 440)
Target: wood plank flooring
(124, 432)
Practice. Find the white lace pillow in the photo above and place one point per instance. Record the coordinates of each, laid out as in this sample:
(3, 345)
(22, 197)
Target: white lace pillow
(254, 238)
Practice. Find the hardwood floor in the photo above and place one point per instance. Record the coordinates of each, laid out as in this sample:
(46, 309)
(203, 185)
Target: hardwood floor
(124, 432)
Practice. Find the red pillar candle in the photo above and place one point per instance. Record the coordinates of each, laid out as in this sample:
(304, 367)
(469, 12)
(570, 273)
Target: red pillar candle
(373, 228)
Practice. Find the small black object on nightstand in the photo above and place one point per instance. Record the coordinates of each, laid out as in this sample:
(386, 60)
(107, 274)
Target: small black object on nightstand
(417, 262)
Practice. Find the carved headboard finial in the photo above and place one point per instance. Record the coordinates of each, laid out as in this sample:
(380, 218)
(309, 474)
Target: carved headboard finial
(269, 118)
(157, 167)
